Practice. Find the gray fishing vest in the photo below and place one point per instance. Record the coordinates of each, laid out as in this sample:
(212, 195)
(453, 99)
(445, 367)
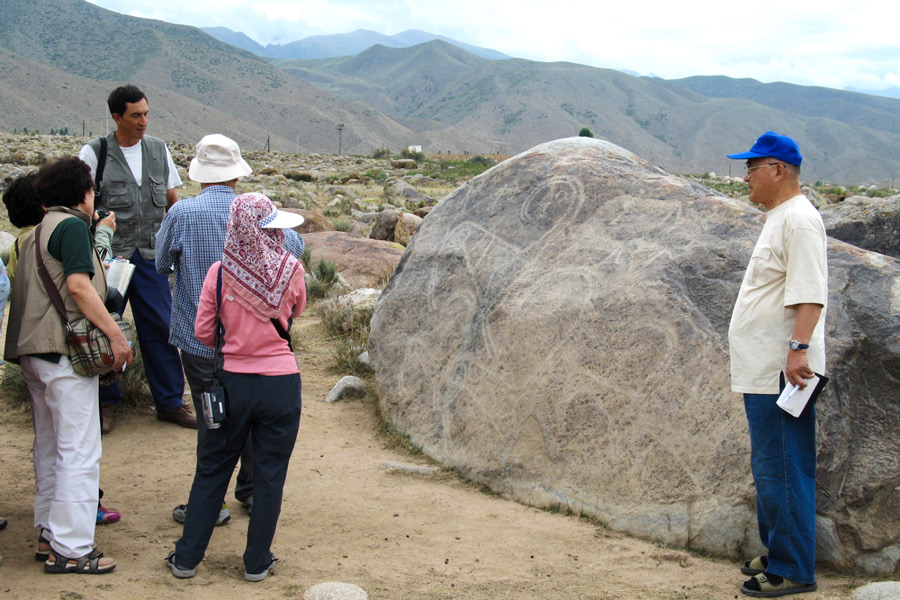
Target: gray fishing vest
(139, 210)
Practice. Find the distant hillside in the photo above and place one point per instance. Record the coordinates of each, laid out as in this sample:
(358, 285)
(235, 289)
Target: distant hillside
(196, 84)
(434, 94)
(518, 103)
(342, 44)
(853, 108)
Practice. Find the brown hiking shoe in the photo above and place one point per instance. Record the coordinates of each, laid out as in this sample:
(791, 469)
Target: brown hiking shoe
(182, 415)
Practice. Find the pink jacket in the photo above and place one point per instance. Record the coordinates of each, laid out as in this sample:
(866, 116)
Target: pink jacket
(252, 345)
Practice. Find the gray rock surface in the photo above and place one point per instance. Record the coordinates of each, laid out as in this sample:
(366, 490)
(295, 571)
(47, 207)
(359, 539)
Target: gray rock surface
(347, 387)
(557, 330)
(333, 590)
(7, 241)
(880, 590)
(874, 225)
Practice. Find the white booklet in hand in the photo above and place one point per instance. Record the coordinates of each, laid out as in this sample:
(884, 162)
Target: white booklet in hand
(793, 400)
(118, 275)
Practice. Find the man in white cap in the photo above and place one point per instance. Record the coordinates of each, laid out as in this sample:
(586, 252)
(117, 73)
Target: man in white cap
(190, 239)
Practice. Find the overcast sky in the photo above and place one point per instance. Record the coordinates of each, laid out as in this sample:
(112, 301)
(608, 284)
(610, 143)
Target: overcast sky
(844, 45)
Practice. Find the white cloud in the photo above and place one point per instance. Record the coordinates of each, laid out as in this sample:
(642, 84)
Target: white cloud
(805, 42)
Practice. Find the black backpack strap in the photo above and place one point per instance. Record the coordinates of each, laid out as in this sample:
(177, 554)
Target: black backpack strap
(282, 333)
(101, 162)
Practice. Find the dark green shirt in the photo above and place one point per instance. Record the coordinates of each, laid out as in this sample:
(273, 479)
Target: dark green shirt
(72, 245)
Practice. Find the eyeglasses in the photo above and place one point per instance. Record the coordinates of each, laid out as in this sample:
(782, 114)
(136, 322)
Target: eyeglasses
(749, 169)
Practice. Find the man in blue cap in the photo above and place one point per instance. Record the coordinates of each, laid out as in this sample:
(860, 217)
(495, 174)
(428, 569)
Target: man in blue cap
(777, 333)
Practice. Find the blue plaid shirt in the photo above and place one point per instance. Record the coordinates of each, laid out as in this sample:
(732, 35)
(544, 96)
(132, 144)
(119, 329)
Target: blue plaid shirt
(190, 239)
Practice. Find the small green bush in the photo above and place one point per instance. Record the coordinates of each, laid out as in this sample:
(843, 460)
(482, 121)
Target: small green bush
(484, 161)
(586, 132)
(322, 277)
(407, 153)
(300, 176)
(382, 153)
(376, 174)
(342, 225)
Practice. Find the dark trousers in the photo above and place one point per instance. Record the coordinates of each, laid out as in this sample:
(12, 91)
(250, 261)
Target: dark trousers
(199, 373)
(268, 408)
(151, 305)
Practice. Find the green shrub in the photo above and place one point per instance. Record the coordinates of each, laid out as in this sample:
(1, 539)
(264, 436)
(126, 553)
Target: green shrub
(351, 328)
(322, 277)
(376, 174)
(585, 132)
(483, 161)
(342, 225)
(382, 153)
(300, 176)
(407, 153)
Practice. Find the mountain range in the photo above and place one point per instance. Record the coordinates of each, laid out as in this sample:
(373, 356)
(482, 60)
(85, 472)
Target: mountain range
(342, 44)
(60, 58)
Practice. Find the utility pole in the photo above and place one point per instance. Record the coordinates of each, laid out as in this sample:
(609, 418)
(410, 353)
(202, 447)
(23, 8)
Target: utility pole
(340, 129)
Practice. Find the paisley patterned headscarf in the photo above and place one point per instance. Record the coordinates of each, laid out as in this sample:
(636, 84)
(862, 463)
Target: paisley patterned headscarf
(256, 269)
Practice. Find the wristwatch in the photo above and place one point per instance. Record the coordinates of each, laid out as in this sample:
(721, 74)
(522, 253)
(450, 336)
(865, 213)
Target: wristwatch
(795, 345)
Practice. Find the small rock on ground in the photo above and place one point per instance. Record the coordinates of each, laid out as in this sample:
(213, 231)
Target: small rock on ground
(347, 387)
(333, 590)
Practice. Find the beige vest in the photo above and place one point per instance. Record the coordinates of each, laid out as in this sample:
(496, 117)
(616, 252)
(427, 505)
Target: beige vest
(35, 326)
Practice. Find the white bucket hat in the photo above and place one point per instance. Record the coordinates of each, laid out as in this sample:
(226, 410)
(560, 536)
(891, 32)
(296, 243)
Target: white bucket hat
(218, 160)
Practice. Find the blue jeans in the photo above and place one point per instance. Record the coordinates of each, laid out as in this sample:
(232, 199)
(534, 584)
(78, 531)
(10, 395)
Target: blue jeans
(151, 305)
(783, 461)
(268, 407)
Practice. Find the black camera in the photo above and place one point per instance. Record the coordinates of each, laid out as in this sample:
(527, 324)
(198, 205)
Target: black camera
(214, 407)
(102, 214)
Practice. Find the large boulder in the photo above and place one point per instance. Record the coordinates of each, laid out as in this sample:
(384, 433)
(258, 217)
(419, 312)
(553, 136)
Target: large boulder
(557, 330)
(364, 263)
(873, 224)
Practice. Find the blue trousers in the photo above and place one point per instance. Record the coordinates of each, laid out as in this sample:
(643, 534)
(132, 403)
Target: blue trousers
(151, 305)
(783, 461)
(267, 409)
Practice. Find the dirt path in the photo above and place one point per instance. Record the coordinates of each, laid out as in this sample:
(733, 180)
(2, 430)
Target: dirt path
(345, 518)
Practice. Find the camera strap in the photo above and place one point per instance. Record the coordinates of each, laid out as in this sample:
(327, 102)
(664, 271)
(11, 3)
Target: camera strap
(220, 330)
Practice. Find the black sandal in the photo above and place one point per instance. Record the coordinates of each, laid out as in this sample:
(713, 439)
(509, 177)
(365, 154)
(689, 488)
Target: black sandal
(43, 555)
(89, 564)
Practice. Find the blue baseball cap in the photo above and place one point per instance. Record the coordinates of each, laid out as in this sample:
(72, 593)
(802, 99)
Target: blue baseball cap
(777, 146)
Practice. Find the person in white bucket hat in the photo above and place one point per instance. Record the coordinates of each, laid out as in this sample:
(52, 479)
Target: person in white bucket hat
(190, 239)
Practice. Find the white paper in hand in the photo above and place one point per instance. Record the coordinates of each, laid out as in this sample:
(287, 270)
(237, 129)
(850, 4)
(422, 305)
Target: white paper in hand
(793, 400)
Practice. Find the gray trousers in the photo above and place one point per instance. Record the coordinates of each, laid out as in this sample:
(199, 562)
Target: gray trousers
(199, 372)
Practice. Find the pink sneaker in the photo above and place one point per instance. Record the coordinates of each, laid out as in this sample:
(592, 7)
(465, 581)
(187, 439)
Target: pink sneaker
(105, 515)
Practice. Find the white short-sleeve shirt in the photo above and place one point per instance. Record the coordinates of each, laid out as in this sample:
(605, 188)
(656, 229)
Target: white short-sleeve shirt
(788, 267)
(135, 159)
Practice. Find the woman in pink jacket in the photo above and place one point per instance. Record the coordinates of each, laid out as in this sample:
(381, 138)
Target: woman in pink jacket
(262, 289)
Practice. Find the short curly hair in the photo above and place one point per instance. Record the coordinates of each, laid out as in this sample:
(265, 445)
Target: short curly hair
(22, 202)
(64, 182)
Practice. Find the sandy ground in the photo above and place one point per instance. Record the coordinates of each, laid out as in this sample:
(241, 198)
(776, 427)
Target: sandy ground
(345, 518)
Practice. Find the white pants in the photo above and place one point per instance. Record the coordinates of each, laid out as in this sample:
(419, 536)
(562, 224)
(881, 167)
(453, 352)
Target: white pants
(67, 450)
